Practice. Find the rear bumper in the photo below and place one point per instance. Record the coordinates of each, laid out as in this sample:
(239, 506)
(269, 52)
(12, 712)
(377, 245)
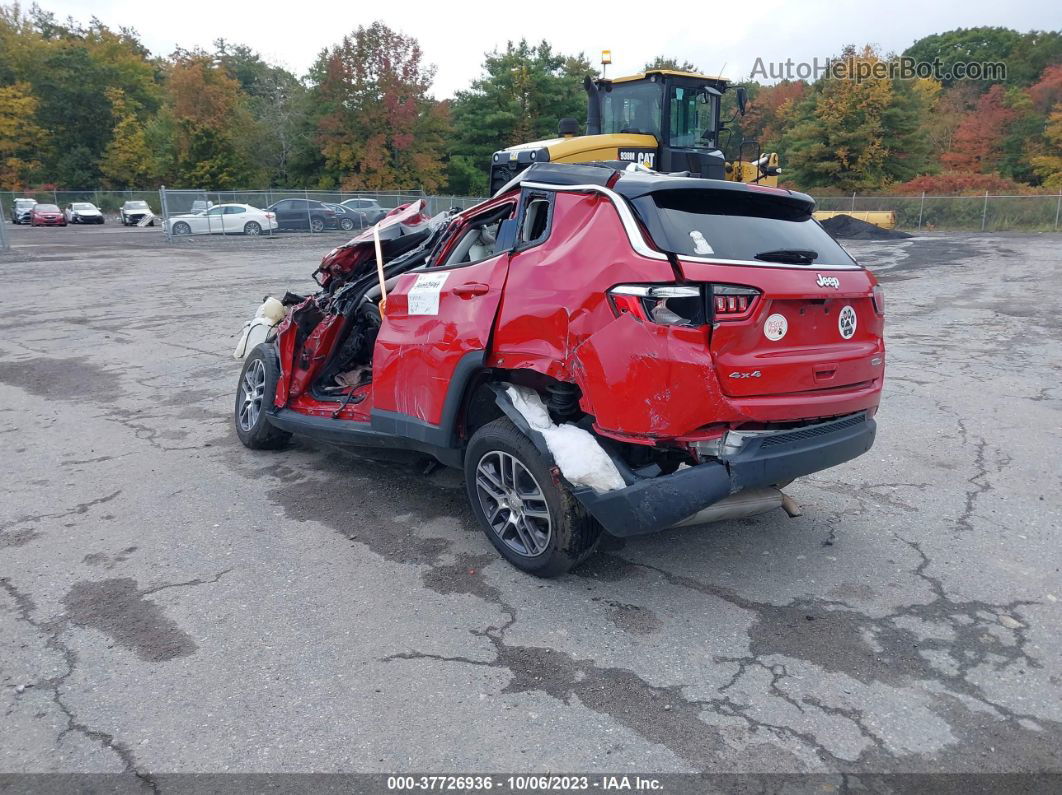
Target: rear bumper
(648, 505)
(652, 504)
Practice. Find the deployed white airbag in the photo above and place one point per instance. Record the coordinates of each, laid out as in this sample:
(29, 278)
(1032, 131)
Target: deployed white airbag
(257, 329)
(581, 459)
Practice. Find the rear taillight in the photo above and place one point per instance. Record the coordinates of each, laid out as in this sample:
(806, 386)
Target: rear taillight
(878, 296)
(732, 301)
(669, 305)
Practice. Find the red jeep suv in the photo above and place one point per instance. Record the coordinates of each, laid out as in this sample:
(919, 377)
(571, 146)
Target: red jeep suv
(600, 349)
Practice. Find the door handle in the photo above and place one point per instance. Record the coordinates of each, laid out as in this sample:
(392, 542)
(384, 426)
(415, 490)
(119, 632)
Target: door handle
(471, 289)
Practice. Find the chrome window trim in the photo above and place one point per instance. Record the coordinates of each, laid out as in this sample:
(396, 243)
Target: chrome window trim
(634, 234)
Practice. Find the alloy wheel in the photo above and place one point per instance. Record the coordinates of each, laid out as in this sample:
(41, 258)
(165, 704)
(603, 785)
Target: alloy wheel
(252, 390)
(513, 503)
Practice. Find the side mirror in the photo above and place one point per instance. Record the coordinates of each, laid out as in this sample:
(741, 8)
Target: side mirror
(742, 96)
(506, 239)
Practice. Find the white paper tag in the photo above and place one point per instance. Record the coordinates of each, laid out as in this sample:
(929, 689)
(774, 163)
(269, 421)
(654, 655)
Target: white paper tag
(424, 295)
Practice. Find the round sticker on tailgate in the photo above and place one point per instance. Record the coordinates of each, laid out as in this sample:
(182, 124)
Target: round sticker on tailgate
(775, 327)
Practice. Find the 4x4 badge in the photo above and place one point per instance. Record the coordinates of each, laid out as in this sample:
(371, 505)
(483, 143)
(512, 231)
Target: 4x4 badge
(829, 281)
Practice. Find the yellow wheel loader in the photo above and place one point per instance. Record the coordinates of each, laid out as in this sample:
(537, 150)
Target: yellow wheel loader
(662, 119)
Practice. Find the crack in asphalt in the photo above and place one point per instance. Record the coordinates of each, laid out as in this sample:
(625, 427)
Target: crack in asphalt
(80, 508)
(52, 631)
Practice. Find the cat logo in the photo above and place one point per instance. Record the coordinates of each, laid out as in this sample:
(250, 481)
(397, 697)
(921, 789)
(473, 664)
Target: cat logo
(643, 157)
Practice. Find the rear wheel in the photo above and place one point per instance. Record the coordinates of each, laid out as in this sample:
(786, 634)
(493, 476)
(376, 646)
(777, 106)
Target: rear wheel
(529, 517)
(252, 228)
(316, 225)
(346, 224)
(254, 396)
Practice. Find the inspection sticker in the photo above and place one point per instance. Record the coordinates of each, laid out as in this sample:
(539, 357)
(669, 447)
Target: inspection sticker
(424, 295)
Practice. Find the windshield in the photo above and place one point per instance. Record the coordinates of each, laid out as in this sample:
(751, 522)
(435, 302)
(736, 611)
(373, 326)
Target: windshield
(136, 205)
(693, 117)
(47, 208)
(25, 202)
(734, 225)
(632, 108)
(83, 206)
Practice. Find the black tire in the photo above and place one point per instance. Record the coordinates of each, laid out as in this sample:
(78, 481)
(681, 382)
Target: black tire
(346, 224)
(252, 228)
(181, 228)
(258, 434)
(573, 534)
(317, 224)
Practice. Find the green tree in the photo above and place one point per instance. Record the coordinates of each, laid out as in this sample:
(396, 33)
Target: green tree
(663, 62)
(278, 102)
(521, 95)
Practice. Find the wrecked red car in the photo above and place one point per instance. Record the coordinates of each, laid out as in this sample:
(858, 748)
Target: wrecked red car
(599, 349)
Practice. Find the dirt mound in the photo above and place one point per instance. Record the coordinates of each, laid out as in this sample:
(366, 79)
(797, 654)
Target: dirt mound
(849, 228)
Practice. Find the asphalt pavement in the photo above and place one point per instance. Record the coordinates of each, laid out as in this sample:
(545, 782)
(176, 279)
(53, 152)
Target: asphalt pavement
(173, 602)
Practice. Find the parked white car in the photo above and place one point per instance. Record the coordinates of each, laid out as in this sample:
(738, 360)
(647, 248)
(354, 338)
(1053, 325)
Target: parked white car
(83, 213)
(223, 219)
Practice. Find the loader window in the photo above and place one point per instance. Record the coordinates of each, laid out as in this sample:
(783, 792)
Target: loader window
(693, 115)
(632, 108)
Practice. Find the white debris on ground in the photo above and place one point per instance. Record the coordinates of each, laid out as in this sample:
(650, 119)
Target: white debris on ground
(581, 459)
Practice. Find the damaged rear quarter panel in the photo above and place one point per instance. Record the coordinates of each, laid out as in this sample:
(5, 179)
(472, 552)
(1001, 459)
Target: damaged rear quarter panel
(649, 380)
(555, 293)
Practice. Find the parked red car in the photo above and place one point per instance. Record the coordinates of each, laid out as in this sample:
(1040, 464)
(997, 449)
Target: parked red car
(47, 215)
(599, 349)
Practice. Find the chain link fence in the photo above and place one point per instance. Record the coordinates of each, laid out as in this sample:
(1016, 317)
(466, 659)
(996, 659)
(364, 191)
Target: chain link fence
(342, 213)
(316, 212)
(985, 213)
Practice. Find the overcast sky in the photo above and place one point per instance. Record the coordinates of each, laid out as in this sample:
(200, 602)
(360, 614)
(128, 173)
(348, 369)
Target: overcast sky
(722, 38)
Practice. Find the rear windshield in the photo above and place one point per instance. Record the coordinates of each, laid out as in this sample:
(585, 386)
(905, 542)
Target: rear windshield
(735, 225)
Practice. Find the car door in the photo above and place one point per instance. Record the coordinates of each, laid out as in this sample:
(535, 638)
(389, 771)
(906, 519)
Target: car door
(436, 329)
(214, 221)
(234, 218)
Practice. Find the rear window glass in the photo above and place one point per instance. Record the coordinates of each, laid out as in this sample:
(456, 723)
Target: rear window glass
(732, 225)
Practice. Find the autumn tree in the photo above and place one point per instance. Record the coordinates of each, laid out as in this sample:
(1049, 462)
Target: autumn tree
(978, 139)
(207, 116)
(128, 160)
(20, 137)
(856, 135)
(377, 127)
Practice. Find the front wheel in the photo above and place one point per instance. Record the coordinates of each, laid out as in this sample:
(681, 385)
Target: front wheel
(181, 228)
(254, 396)
(528, 515)
(252, 228)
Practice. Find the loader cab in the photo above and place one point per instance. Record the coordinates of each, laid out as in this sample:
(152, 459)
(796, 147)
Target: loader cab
(662, 119)
(679, 109)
